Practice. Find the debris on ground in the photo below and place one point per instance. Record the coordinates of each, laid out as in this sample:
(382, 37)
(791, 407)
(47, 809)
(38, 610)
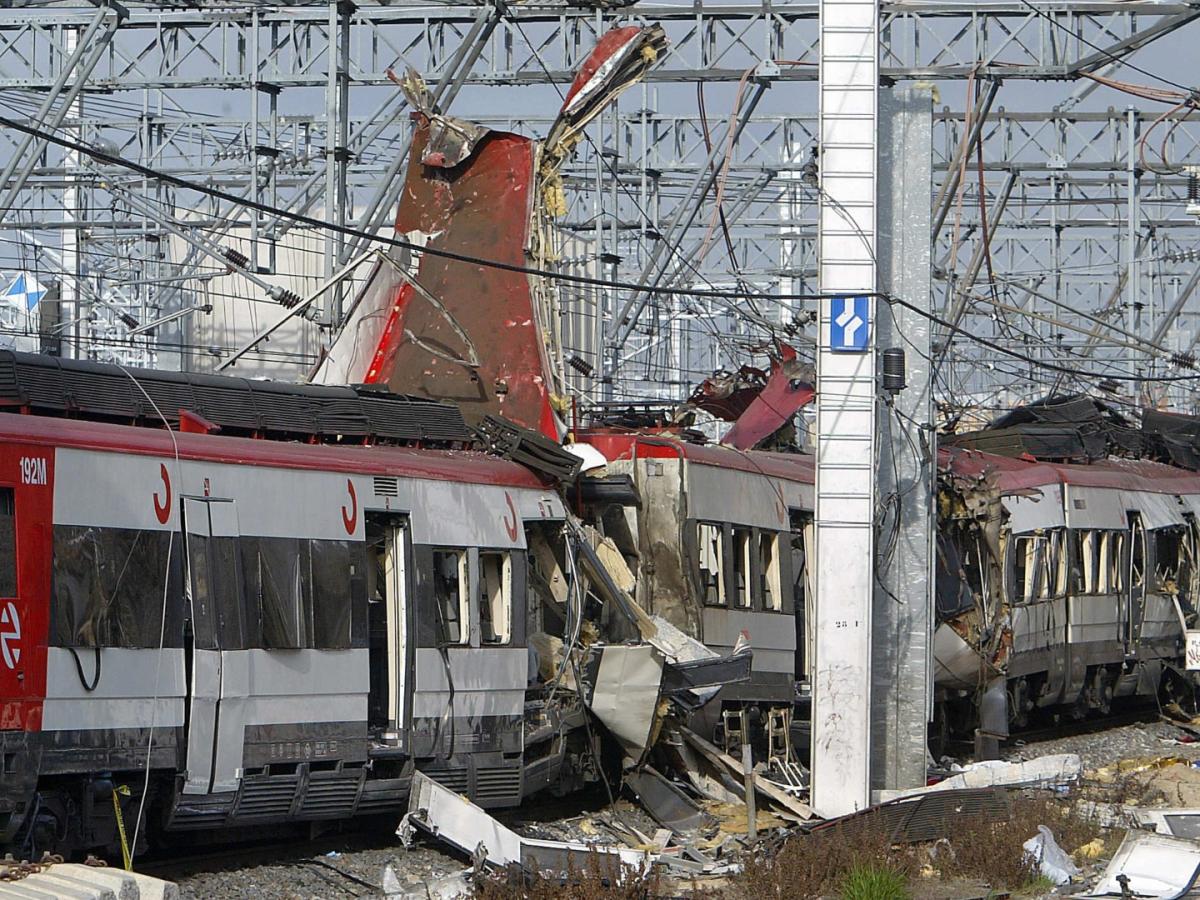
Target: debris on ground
(1150, 866)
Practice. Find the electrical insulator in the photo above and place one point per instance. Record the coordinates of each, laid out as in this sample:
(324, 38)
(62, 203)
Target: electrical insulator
(1193, 190)
(235, 259)
(894, 370)
(285, 298)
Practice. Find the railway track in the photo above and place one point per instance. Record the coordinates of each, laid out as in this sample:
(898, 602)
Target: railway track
(179, 863)
(1068, 727)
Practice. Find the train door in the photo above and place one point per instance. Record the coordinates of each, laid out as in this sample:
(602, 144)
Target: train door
(214, 747)
(1135, 583)
(390, 675)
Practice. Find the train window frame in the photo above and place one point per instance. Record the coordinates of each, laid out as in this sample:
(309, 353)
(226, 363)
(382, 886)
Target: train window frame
(441, 604)
(742, 549)
(770, 572)
(710, 543)
(8, 542)
(504, 636)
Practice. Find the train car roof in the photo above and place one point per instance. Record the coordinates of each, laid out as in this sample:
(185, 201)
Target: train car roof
(620, 445)
(1015, 474)
(467, 466)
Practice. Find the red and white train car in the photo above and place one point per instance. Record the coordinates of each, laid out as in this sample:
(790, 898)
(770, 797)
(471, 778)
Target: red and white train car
(1061, 584)
(272, 631)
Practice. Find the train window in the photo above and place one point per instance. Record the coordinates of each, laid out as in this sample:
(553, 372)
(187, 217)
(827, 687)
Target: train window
(711, 551)
(107, 586)
(8, 544)
(1137, 565)
(495, 598)
(450, 595)
(338, 570)
(1167, 546)
(1028, 567)
(1059, 568)
(799, 568)
(742, 545)
(1116, 562)
(1088, 544)
(278, 579)
(1108, 569)
(768, 570)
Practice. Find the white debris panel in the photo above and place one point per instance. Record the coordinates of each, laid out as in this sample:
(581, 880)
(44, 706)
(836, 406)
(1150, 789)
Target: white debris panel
(456, 820)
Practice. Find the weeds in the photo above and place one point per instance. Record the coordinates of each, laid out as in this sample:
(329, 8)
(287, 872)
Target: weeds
(874, 882)
(832, 861)
(992, 850)
(819, 864)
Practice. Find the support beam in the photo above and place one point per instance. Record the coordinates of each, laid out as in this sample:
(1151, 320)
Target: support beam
(845, 482)
(902, 626)
(87, 51)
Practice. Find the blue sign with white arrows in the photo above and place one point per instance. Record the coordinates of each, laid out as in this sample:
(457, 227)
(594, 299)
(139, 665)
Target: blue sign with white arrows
(849, 324)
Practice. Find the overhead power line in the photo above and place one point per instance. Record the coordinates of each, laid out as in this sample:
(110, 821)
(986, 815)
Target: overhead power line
(351, 231)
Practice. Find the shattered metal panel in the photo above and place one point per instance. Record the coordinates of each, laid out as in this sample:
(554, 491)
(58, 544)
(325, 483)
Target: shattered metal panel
(480, 208)
(786, 391)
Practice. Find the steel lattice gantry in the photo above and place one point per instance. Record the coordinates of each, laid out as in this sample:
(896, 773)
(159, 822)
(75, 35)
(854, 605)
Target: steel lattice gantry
(290, 106)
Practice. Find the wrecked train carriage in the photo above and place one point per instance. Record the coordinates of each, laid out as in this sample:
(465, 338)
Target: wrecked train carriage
(1059, 584)
(278, 630)
(719, 543)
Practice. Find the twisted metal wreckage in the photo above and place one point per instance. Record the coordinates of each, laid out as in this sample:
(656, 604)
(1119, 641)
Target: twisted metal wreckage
(439, 325)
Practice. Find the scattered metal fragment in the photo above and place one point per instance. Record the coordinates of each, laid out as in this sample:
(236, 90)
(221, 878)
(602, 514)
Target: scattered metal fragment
(666, 803)
(456, 820)
(929, 817)
(1046, 771)
(779, 797)
(1149, 865)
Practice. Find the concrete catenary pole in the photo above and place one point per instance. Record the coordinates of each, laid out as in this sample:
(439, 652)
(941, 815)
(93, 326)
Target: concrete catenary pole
(845, 508)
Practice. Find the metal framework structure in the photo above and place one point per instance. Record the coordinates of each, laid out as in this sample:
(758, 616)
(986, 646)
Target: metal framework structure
(1083, 256)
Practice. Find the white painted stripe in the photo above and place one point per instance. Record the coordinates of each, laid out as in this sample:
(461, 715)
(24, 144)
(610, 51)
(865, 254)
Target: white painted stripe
(124, 673)
(100, 713)
(120, 490)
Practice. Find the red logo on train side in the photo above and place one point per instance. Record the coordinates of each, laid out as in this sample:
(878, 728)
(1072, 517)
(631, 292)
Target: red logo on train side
(350, 519)
(162, 508)
(510, 525)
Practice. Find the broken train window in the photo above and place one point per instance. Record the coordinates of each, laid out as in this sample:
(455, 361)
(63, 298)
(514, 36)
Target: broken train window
(450, 595)
(1171, 551)
(1029, 569)
(712, 584)
(107, 586)
(742, 544)
(495, 597)
(768, 571)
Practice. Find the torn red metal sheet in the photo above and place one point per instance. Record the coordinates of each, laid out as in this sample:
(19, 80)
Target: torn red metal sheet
(481, 209)
(614, 52)
(465, 332)
(727, 395)
(786, 392)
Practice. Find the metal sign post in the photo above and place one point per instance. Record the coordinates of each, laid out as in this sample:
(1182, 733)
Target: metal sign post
(845, 407)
